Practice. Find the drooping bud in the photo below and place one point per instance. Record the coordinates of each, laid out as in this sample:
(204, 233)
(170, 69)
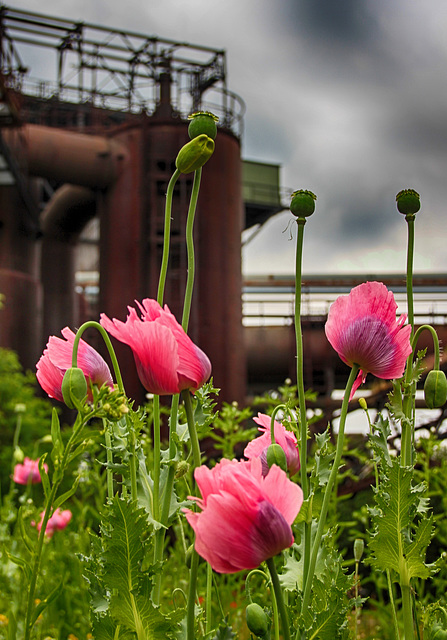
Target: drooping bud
(302, 204)
(74, 387)
(408, 201)
(435, 389)
(359, 546)
(276, 455)
(194, 154)
(202, 122)
(257, 620)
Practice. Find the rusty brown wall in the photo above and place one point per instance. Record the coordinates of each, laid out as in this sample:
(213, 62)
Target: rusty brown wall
(21, 316)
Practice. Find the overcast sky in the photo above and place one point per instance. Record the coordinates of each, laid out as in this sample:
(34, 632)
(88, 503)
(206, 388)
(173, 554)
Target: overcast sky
(348, 96)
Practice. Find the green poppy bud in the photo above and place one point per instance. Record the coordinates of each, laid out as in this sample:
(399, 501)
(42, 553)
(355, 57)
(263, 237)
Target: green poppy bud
(359, 546)
(302, 204)
(74, 386)
(202, 122)
(257, 620)
(408, 201)
(435, 389)
(276, 455)
(363, 404)
(194, 154)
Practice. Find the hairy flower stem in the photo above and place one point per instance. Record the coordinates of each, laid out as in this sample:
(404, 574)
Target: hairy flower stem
(393, 605)
(190, 249)
(329, 487)
(279, 599)
(409, 390)
(301, 395)
(156, 404)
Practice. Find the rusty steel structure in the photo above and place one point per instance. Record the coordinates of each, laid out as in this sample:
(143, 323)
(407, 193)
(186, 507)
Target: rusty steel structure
(99, 138)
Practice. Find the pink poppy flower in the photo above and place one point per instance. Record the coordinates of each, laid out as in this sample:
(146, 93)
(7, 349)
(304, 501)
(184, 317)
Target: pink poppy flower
(166, 358)
(363, 329)
(57, 521)
(28, 471)
(257, 448)
(57, 358)
(245, 517)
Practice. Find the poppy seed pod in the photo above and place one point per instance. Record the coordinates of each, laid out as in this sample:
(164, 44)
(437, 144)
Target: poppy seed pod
(408, 201)
(302, 204)
(74, 386)
(257, 620)
(202, 122)
(435, 389)
(194, 154)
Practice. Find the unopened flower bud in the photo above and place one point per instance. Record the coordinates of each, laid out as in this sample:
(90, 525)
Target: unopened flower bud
(202, 122)
(359, 546)
(302, 204)
(181, 469)
(18, 455)
(74, 386)
(257, 620)
(194, 154)
(276, 455)
(363, 404)
(435, 389)
(408, 201)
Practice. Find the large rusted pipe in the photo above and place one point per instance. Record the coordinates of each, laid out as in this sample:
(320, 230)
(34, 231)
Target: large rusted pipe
(63, 219)
(66, 156)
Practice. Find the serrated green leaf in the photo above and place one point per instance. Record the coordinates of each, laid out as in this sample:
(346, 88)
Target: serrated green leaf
(392, 546)
(379, 439)
(130, 602)
(224, 632)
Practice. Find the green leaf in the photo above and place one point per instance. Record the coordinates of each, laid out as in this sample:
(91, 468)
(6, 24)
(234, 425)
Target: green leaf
(58, 445)
(64, 497)
(397, 504)
(43, 604)
(124, 551)
(44, 476)
(27, 540)
(379, 439)
(23, 564)
(224, 632)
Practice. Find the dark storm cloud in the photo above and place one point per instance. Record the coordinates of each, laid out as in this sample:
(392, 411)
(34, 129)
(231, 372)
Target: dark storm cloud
(344, 21)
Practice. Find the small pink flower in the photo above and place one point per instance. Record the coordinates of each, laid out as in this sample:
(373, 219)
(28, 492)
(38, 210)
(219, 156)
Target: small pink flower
(166, 358)
(257, 448)
(57, 358)
(246, 518)
(28, 472)
(57, 521)
(363, 329)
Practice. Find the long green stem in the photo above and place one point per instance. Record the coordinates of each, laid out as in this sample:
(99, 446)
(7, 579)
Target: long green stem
(407, 612)
(279, 599)
(301, 394)
(157, 458)
(408, 400)
(329, 487)
(46, 516)
(393, 604)
(190, 249)
(192, 596)
(166, 237)
(109, 453)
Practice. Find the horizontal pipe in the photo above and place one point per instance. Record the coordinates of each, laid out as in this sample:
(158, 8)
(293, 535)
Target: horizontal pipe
(66, 156)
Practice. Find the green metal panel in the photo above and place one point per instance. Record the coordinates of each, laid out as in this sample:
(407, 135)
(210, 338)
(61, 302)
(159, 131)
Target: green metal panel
(260, 183)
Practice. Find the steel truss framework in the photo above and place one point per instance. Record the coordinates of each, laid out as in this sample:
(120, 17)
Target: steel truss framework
(112, 68)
